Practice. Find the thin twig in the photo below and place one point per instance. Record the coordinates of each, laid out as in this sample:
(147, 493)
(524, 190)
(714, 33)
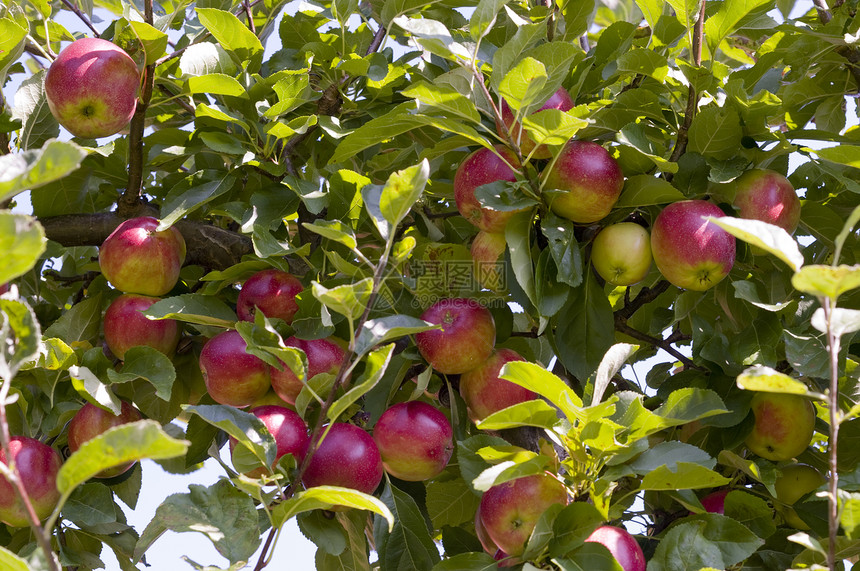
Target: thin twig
(82, 16)
(661, 343)
(692, 96)
(835, 418)
(823, 11)
(247, 7)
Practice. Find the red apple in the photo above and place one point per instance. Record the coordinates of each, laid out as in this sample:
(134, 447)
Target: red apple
(346, 457)
(766, 195)
(287, 428)
(232, 375)
(92, 88)
(324, 356)
(590, 181)
(487, 251)
(621, 253)
(560, 100)
(485, 393)
(136, 258)
(415, 440)
(465, 340)
(621, 545)
(271, 291)
(483, 167)
(4, 288)
(784, 425)
(37, 465)
(689, 251)
(509, 511)
(126, 327)
(91, 420)
(715, 502)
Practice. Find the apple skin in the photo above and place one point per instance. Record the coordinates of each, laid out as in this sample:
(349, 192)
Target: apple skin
(347, 457)
(621, 545)
(271, 291)
(715, 502)
(621, 253)
(126, 327)
(415, 440)
(766, 195)
(135, 258)
(794, 482)
(466, 339)
(38, 465)
(487, 251)
(324, 356)
(691, 252)
(91, 420)
(483, 167)
(784, 425)
(590, 178)
(92, 88)
(560, 100)
(509, 511)
(287, 428)
(232, 375)
(485, 393)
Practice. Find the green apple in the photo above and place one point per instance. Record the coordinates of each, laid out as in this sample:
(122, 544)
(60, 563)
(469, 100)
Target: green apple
(795, 481)
(784, 424)
(621, 253)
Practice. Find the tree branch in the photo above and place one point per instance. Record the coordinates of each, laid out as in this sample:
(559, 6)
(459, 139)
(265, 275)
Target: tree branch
(82, 16)
(693, 96)
(823, 11)
(661, 343)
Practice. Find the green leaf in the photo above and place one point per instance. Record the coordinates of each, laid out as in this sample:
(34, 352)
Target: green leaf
(647, 190)
(752, 511)
(467, 562)
(11, 562)
(644, 62)
(535, 378)
(401, 192)
(32, 169)
(772, 239)
(590, 556)
(355, 556)
(381, 329)
(686, 476)
(727, 18)
(530, 413)
(22, 241)
(80, 323)
(11, 44)
(116, 446)
(205, 58)
(333, 230)
(708, 540)
(526, 36)
(193, 308)
(192, 193)
(444, 98)
(324, 497)
(517, 234)
(715, 132)
(222, 512)
(376, 363)
(826, 281)
(31, 107)
(484, 17)
(433, 36)
(215, 84)
(564, 248)
(522, 85)
(669, 455)
(349, 299)
(245, 427)
(842, 320)
(154, 41)
(450, 503)
(150, 365)
(765, 379)
(611, 363)
(233, 35)
(406, 545)
(21, 334)
(839, 154)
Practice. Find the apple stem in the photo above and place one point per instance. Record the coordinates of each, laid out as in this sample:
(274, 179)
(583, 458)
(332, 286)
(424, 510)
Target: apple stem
(833, 341)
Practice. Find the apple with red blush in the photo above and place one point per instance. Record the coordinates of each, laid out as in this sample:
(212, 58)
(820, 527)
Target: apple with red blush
(271, 291)
(91, 88)
(232, 375)
(38, 465)
(138, 258)
(91, 421)
(126, 327)
(287, 429)
(484, 166)
(324, 356)
(560, 100)
(415, 440)
(347, 457)
(715, 502)
(784, 425)
(766, 195)
(465, 339)
(623, 546)
(485, 392)
(488, 249)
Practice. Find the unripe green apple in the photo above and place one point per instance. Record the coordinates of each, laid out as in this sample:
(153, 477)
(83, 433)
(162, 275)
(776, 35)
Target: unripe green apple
(795, 481)
(621, 253)
(590, 180)
(784, 425)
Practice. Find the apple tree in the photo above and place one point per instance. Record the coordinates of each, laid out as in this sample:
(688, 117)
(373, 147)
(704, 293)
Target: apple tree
(299, 222)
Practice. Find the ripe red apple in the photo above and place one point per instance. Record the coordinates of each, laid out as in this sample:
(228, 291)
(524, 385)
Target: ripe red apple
(271, 291)
(794, 482)
(4, 288)
(92, 87)
(689, 251)
(621, 545)
(465, 340)
(591, 181)
(346, 457)
(487, 251)
(509, 511)
(560, 100)
(324, 356)
(621, 253)
(232, 375)
(415, 440)
(126, 327)
(38, 465)
(715, 502)
(136, 258)
(485, 393)
(766, 195)
(287, 428)
(784, 425)
(483, 167)
(91, 420)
